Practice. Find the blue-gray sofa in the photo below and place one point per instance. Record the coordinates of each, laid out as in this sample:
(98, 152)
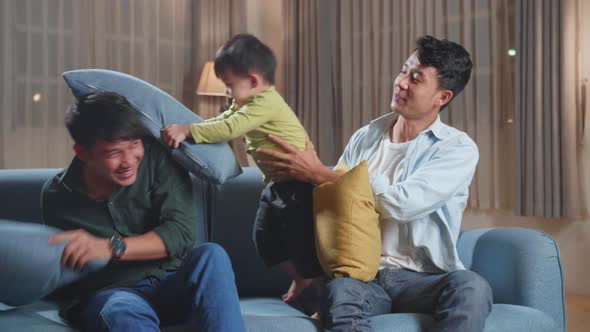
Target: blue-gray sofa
(522, 265)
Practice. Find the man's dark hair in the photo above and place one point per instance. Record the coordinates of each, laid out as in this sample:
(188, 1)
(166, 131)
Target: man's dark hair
(244, 54)
(105, 116)
(451, 60)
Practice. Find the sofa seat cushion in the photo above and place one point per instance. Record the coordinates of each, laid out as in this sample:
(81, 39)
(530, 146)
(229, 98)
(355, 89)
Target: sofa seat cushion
(41, 316)
(272, 314)
(504, 317)
(509, 317)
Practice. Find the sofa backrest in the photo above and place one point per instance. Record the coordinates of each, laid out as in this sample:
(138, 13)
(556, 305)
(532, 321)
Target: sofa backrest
(20, 197)
(225, 215)
(232, 212)
(20, 190)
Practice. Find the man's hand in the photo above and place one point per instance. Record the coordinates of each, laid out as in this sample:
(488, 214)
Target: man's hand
(81, 248)
(293, 164)
(174, 134)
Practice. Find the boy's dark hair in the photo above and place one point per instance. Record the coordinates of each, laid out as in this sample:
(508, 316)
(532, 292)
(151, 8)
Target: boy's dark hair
(451, 60)
(105, 116)
(244, 54)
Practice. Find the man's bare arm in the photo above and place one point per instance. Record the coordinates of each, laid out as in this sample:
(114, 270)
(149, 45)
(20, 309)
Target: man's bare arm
(83, 247)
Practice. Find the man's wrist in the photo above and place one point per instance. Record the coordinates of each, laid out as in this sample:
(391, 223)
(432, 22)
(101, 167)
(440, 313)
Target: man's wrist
(106, 249)
(324, 175)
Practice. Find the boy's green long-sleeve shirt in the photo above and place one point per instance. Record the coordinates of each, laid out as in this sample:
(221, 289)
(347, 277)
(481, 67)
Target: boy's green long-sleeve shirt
(265, 113)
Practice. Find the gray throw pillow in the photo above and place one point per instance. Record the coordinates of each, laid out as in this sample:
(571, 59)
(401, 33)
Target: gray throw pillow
(215, 163)
(30, 267)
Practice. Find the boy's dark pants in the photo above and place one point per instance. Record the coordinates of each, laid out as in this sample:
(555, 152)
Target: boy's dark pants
(284, 227)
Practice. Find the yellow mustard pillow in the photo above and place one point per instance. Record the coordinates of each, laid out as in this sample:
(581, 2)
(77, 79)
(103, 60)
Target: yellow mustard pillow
(348, 238)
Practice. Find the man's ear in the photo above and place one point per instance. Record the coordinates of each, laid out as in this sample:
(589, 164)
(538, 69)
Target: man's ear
(445, 97)
(81, 152)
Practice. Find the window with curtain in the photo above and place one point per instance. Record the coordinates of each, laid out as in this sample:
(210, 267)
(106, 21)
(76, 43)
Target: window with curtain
(343, 55)
(42, 38)
(522, 105)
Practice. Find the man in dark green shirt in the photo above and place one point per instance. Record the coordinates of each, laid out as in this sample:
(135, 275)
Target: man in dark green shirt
(124, 199)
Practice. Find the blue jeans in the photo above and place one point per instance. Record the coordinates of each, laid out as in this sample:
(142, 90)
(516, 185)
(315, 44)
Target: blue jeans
(459, 300)
(202, 293)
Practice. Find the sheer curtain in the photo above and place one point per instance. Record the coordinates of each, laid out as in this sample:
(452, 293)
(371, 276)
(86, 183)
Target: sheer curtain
(218, 21)
(547, 141)
(36, 39)
(577, 74)
(574, 74)
(309, 87)
(42, 38)
(344, 55)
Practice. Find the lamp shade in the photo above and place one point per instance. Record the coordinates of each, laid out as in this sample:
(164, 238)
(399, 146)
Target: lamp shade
(209, 84)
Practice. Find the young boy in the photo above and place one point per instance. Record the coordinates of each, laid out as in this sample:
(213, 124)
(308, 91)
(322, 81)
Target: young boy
(283, 230)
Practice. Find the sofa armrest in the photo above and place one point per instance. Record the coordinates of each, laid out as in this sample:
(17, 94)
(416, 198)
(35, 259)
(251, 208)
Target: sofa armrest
(522, 265)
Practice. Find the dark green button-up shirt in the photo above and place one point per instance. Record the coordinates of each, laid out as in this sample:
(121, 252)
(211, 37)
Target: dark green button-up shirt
(160, 200)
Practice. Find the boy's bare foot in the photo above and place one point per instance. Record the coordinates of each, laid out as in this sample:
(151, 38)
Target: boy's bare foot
(297, 286)
(315, 316)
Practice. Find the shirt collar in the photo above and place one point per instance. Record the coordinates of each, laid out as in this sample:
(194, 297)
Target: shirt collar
(383, 123)
(71, 178)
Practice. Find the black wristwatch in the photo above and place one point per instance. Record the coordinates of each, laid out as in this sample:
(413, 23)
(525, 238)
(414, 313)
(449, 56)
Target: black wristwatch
(117, 246)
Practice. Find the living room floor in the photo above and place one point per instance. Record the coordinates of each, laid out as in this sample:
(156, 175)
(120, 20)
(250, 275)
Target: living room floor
(578, 312)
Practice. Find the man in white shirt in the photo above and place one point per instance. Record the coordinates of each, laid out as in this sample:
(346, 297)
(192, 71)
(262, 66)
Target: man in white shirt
(420, 172)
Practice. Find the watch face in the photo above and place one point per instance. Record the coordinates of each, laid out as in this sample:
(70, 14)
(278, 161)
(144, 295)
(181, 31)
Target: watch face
(117, 246)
